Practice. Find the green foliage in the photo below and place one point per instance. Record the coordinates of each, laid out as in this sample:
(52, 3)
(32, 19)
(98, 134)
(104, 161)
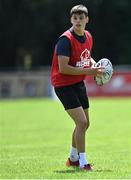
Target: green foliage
(35, 139)
(32, 27)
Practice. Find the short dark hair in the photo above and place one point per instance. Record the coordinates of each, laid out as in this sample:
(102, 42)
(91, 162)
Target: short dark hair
(79, 9)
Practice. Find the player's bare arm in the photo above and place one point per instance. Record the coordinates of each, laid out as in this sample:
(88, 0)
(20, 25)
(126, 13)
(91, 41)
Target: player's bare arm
(65, 68)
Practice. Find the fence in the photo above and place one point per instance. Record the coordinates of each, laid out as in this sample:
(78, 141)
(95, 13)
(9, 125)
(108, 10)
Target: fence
(37, 84)
(119, 85)
(24, 84)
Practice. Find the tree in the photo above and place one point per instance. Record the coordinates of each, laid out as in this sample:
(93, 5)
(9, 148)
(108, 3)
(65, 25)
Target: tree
(30, 28)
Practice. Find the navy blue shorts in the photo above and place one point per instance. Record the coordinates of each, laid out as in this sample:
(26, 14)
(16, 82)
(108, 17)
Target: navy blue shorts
(73, 96)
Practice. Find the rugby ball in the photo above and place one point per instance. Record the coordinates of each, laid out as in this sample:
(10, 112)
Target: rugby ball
(108, 71)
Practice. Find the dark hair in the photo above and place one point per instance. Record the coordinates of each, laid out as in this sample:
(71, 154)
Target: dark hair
(79, 9)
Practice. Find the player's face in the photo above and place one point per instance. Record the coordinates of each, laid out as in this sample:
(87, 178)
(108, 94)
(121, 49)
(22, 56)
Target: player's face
(79, 21)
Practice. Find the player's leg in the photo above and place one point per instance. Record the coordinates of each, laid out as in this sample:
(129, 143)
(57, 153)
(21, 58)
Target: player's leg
(87, 117)
(74, 152)
(88, 123)
(79, 117)
(72, 103)
(83, 99)
(73, 138)
(73, 159)
(69, 100)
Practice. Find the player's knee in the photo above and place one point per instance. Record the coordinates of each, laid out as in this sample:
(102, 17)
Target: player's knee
(83, 125)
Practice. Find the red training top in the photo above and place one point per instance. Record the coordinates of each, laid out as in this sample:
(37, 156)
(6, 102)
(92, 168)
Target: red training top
(80, 57)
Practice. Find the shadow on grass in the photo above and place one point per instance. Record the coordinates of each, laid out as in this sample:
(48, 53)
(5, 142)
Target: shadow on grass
(66, 171)
(103, 170)
(80, 171)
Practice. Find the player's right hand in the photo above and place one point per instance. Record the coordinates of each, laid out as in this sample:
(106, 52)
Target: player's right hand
(98, 71)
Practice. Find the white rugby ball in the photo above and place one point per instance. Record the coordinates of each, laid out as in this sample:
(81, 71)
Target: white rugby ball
(108, 71)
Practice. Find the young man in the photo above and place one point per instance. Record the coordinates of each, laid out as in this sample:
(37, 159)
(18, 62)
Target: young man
(72, 61)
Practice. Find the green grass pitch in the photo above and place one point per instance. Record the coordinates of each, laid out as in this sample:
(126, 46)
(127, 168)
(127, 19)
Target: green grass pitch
(35, 139)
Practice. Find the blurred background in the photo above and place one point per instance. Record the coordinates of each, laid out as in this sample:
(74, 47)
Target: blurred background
(30, 28)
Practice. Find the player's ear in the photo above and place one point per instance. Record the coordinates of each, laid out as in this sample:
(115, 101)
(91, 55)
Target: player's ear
(71, 20)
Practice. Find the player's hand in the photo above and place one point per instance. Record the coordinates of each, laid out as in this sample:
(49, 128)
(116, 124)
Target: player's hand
(98, 71)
